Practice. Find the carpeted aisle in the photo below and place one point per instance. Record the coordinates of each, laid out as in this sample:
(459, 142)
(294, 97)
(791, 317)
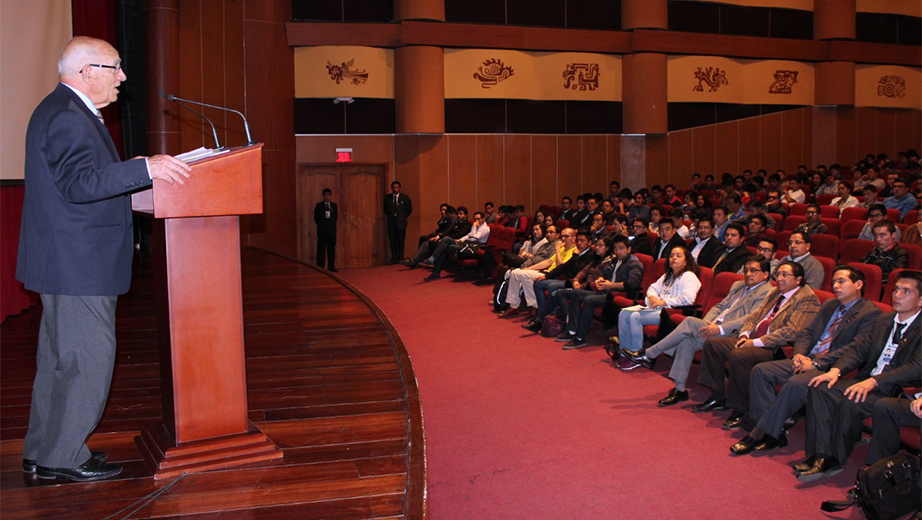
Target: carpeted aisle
(518, 428)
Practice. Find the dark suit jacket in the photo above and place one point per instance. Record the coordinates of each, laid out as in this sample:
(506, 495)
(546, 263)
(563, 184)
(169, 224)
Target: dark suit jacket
(630, 273)
(789, 321)
(325, 226)
(641, 244)
(864, 351)
(77, 235)
(711, 251)
(458, 228)
(857, 321)
(568, 215)
(733, 261)
(676, 241)
(573, 266)
(398, 213)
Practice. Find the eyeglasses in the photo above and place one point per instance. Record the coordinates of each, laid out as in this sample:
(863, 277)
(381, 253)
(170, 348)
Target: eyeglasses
(747, 270)
(795, 242)
(876, 215)
(779, 274)
(565, 236)
(116, 68)
(810, 213)
(637, 226)
(765, 250)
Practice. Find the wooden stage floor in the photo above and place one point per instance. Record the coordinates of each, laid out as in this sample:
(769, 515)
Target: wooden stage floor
(329, 381)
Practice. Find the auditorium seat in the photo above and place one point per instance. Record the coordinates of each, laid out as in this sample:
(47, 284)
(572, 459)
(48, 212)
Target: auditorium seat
(798, 209)
(915, 256)
(706, 277)
(833, 225)
(770, 233)
(829, 266)
(721, 288)
(850, 229)
(651, 272)
(782, 239)
(825, 245)
(884, 307)
(562, 223)
(911, 217)
(854, 214)
(893, 215)
(873, 279)
(791, 223)
(823, 295)
(493, 240)
(827, 211)
(779, 220)
(855, 249)
(825, 199)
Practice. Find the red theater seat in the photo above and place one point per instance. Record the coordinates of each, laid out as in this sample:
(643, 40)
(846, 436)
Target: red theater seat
(915, 256)
(825, 245)
(798, 209)
(833, 225)
(854, 214)
(828, 266)
(873, 279)
(791, 223)
(855, 250)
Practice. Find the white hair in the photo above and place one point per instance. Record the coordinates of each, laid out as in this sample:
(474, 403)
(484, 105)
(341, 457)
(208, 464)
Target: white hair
(78, 52)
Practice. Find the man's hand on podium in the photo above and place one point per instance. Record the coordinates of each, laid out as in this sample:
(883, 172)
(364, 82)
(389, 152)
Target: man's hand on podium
(168, 169)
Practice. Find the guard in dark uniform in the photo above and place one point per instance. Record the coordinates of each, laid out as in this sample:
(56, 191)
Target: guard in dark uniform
(325, 215)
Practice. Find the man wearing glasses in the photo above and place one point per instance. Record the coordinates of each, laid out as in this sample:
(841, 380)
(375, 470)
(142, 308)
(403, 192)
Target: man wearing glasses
(707, 249)
(773, 203)
(448, 246)
(640, 240)
(799, 251)
(876, 213)
(888, 255)
(722, 320)
(813, 225)
(901, 199)
(766, 249)
(816, 348)
(787, 309)
(75, 249)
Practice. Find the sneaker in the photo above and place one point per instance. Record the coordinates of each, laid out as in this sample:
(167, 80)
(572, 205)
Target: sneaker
(626, 364)
(575, 343)
(564, 337)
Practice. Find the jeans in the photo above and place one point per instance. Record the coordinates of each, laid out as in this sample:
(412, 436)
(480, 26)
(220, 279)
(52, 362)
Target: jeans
(630, 326)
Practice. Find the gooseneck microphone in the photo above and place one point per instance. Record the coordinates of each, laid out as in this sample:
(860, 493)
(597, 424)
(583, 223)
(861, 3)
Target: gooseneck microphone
(246, 125)
(214, 130)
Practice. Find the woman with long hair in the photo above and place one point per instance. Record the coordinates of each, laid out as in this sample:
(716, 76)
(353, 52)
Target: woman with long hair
(677, 287)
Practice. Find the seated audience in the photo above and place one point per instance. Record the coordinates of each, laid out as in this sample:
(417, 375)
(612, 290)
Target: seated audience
(735, 209)
(558, 278)
(522, 281)
(756, 231)
(816, 348)
(670, 197)
(706, 249)
(639, 209)
(538, 255)
(620, 226)
(886, 359)
(766, 250)
(529, 248)
(566, 212)
(596, 229)
(773, 203)
(478, 235)
(457, 227)
(608, 212)
(490, 211)
(813, 225)
(445, 221)
(913, 233)
(621, 272)
(735, 253)
(901, 198)
(828, 185)
(876, 213)
(844, 198)
(656, 214)
(678, 221)
(799, 251)
(868, 196)
(792, 192)
(640, 241)
(677, 287)
(888, 255)
(667, 240)
(723, 319)
(891, 413)
(720, 222)
(787, 309)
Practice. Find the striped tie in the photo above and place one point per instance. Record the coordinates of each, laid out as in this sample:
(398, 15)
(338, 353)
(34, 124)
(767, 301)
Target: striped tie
(823, 345)
(763, 326)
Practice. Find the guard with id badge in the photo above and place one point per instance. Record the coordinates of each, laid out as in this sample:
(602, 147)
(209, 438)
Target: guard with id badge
(325, 215)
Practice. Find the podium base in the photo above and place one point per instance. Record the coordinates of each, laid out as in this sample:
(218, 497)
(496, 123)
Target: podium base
(168, 460)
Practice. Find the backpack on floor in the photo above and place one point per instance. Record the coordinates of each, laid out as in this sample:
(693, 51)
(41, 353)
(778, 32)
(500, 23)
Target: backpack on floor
(499, 299)
(886, 490)
(552, 325)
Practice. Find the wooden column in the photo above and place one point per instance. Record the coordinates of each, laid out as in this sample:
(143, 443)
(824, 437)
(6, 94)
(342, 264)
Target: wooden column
(834, 19)
(644, 91)
(162, 19)
(644, 14)
(419, 10)
(419, 90)
(835, 83)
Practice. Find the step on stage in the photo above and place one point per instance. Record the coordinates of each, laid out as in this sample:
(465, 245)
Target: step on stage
(329, 382)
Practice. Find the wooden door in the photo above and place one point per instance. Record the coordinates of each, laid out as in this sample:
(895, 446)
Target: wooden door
(358, 190)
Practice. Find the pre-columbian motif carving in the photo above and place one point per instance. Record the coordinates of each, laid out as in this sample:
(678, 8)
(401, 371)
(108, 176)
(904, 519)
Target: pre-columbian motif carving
(582, 76)
(345, 72)
(713, 76)
(784, 82)
(892, 86)
(493, 72)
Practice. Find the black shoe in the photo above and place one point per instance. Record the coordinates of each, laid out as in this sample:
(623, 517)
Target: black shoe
(29, 465)
(575, 343)
(88, 471)
(769, 443)
(639, 357)
(432, 277)
(532, 325)
(746, 445)
(711, 405)
(674, 397)
(334, 270)
(563, 337)
(821, 468)
(800, 467)
(409, 263)
(734, 422)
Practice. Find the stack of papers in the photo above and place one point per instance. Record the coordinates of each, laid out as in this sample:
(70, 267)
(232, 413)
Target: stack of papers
(200, 153)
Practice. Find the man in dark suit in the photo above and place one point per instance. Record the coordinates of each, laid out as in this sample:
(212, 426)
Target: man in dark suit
(325, 216)
(888, 358)
(668, 239)
(397, 207)
(816, 347)
(75, 249)
(706, 249)
(786, 310)
(735, 253)
(566, 212)
(640, 244)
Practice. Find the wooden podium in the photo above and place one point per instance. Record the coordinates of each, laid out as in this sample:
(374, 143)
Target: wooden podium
(196, 249)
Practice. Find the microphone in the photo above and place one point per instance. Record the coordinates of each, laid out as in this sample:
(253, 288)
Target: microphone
(246, 126)
(213, 129)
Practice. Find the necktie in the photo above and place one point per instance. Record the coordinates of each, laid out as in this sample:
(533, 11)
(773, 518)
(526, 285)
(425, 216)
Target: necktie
(822, 346)
(762, 328)
(883, 362)
(99, 116)
(721, 259)
(898, 334)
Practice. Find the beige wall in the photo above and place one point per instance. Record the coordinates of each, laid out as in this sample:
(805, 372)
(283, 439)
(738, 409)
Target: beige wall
(31, 37)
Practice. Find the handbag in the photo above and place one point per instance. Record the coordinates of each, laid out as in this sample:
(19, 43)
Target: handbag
(552, 325)
(886, 490)
(468, 250)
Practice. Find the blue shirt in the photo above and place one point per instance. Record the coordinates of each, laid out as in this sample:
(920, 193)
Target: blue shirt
(905, 205)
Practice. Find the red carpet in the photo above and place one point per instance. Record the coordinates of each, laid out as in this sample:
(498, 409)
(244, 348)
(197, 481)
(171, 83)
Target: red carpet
(518, 428)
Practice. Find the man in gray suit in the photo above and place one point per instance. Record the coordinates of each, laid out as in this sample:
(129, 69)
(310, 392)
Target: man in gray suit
(816, 348)
(75, 250)
(723, 319)
(799, 251)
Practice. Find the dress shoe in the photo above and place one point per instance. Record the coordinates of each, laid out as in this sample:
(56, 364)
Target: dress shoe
(821, 468)
(575, 343)
(510, 312)
(409, 263)
(674, 397)
(639, 357)
(563, 337)
(746, 445)
(711, 405)
(431, 277)
(88, 471)
(734, 422)
(29, 465)
(615, 340)
(532, 325)
(769, 443)
(800, 467)
(334, 270)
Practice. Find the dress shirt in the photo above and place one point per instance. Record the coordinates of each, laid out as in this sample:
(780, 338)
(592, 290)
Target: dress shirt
(798, 196)
(840, 311)
(721, 231)
(890, 349)
(479, 232)
(905, 204)
(720, 317)
(787, 301)
(682, 231)
(699, 245)
(89, 104)
(850, 202)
